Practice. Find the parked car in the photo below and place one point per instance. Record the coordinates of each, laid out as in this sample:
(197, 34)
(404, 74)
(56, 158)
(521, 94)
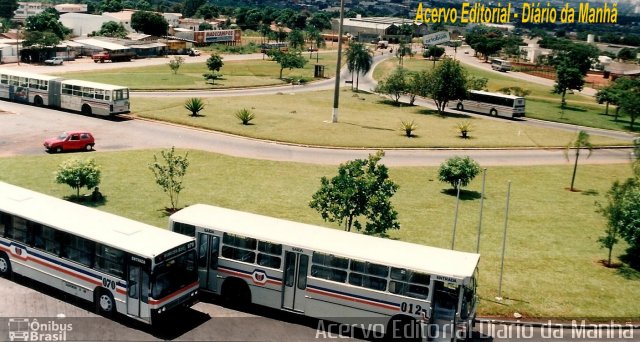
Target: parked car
(71, 140)
(194, 52)
(54, 61)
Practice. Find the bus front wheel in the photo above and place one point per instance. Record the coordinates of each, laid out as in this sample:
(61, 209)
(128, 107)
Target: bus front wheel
(105, 305)
(38, 101)
(86, 109)
(493, 112)
(460, 107)
(5, 266)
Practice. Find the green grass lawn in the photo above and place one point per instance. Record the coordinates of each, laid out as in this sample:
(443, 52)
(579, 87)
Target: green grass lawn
(552, 264)
(541, 104)
(365, 121)
(249, 73)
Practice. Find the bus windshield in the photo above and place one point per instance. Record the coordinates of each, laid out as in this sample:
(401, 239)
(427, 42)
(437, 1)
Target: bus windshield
(174, 274)
(121, 94)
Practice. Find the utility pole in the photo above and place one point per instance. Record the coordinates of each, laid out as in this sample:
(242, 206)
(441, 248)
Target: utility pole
(336, 91)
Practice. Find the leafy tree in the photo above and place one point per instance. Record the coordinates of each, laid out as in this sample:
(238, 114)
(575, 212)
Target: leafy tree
(175, 64)
(296, 39)
(169, 174)
(621, 213)
(320, 20)
(194, 105)
(111, 6)
(112, 29)
(517, 91)
(359, 60)
(215, 63)
(629, 102)
(362, 188)
(47, 21)
(395, 85)
(606, 95)
(149, 23)
(287, 60)
(477, 83)
(190, 7)
(567, 78)
(447, 81)
(78, 173)
(626, 54)
(208, 11)
(484, 40)
(41, 39)
(577, 55)
(434, 52)
(7, 7)
(581, 141)
(204, 26)
(403, 50)
(458, 170)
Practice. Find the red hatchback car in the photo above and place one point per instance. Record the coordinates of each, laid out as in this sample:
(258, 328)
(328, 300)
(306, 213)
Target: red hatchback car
(72, 140)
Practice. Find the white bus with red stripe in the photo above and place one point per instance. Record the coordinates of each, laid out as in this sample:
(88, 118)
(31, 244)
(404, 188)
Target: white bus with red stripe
(330, 274)
(89, 98)
(119, 264)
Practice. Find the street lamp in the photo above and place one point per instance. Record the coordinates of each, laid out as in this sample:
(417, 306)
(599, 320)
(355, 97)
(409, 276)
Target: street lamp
(336, 92)
(18, 42)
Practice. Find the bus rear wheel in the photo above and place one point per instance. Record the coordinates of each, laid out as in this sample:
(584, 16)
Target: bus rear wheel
(86, 109)
(493, 112)
(38, 101)
(235, 293)
(105, 305)
(5, 266)
(460, 107)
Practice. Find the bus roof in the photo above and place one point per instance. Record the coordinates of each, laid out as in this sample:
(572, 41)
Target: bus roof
(504, 96)
(20, 73)
(89, 84)
(431, 260)
(116, 231)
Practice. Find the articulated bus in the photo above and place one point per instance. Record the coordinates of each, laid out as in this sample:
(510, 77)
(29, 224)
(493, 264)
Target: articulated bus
(491, 103)
(331, 274)
(119, 264)
(89, 98)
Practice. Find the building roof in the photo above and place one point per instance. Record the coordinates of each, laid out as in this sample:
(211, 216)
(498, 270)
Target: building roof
(122, 15)
(101, 44)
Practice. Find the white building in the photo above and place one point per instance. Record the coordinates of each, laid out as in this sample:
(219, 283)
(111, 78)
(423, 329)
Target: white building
(27, 9)
(533, 51)
(71, 8)
(82, 24)
(123, 17)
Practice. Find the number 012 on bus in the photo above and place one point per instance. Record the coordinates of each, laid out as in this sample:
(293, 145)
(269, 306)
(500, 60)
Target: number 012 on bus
(330, 274)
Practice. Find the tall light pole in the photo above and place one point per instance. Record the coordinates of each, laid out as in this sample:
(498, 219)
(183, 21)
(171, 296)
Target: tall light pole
(336, 91)
(18, 42)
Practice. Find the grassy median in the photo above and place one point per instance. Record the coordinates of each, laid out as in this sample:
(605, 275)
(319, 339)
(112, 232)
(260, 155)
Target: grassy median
(552, 266)
(365, 120)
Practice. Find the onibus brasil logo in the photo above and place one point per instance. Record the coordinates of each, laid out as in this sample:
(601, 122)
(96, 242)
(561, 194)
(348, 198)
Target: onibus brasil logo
(25, 329)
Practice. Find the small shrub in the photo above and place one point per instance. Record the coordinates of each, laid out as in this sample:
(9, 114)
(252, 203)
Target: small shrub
(464, 128)
(462, 169)
(245, 116)
(409, 127)
(194, 105)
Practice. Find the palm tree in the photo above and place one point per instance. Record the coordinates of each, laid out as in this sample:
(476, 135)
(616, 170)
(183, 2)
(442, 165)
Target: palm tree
(359, 60)
(582, 141)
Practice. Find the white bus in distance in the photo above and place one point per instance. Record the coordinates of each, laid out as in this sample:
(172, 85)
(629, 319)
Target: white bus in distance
(330, 274)
(495, 104)
(118, 264)
(500, 65)
(88, 98)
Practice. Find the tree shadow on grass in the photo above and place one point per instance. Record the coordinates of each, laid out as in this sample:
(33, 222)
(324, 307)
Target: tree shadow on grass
(87, 200)
(395, 104)
(631, 260)
(628, 272)
(591, 192)
(465, 195)
(368, 127)
(446, 115)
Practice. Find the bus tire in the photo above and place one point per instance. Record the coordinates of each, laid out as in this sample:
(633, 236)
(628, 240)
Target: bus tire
(460, 107)
(403, 328)
(493, 112)
(105, 305)
(5, 266)
(235, 292)
(38, 101)
(86, 109)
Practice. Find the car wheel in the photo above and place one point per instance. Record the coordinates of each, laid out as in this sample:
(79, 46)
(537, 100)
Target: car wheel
(58, 149)
(89, 147)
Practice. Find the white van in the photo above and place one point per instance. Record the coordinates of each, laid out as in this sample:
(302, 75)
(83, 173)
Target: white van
(500, 65)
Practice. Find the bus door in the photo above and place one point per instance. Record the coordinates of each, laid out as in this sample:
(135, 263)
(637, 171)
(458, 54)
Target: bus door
(445, 303)
(294, 282)
(138, 292)
(208, 247)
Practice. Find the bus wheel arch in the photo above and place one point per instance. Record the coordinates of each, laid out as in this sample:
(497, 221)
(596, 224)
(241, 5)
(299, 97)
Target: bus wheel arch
(5, 265)
(460, 106)
(103, 299)
(398, 326)
(86, 109)
(235, 292)
(493, 112)
(37, 100)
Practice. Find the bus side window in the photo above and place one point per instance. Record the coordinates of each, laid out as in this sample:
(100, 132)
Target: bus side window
(5, 224)
(34, 231)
